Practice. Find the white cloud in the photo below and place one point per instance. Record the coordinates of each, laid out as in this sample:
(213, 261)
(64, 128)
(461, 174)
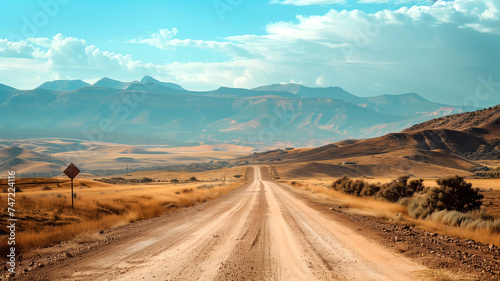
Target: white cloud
(434, 50)
(320, 81)
(15, 49)
(165, 39)
(61, 56)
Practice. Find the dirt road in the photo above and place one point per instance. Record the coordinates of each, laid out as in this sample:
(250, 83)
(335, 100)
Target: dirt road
(260, 231)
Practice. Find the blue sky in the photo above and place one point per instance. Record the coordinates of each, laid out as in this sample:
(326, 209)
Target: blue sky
(443, 50)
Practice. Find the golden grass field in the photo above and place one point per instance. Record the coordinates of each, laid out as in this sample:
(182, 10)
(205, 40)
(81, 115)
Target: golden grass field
(397, 213)
(45, 215)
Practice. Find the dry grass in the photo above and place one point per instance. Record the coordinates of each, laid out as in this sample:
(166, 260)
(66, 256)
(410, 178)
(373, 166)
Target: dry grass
(473, 220)
(45, 216)
(480, 235)
(441, 275)
(367, 205)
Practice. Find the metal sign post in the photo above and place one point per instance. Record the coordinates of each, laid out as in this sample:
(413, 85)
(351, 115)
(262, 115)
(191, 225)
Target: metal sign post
(72, 171)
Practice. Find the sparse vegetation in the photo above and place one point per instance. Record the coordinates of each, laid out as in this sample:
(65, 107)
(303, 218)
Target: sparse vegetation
(487, 173)
(120, 180)
(478, 219)
(193, 167)
(453, 202)
(452, 194)
(392, 192)
(146, 179)
(478, 225)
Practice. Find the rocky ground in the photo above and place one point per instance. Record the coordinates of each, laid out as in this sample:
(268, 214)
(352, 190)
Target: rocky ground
(435, 251)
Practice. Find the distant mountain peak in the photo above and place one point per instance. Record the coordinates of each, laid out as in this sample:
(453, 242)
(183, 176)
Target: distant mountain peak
(149, 79)
(111, 83)
(413, 95)
(314, 92)
(63, 85)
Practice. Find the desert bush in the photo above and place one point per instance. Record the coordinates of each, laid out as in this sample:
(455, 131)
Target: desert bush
(206, 186)
(174, 181)
(392, 191)
(400, 188)
(347, 185)
(452, 194)
(146, 179)
(193, 179)
(370, 190)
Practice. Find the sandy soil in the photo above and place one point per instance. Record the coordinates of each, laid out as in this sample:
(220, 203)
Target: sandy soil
(260, 231)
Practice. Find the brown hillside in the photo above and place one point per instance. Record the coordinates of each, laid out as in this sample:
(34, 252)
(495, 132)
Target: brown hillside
(418, 153)
(484, 122)
(451, 143)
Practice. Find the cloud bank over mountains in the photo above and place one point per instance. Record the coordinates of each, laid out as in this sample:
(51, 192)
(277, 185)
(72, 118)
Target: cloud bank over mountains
(440, 51)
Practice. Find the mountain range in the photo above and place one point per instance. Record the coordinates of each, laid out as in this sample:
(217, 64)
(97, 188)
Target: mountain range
(150, 111)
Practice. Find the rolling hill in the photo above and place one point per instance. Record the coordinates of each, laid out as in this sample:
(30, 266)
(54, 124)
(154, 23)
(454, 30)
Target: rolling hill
(50, 156)
(484, 123)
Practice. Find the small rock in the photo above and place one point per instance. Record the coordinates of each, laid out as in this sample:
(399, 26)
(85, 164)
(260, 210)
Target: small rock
(69, 255)
(101, 231)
